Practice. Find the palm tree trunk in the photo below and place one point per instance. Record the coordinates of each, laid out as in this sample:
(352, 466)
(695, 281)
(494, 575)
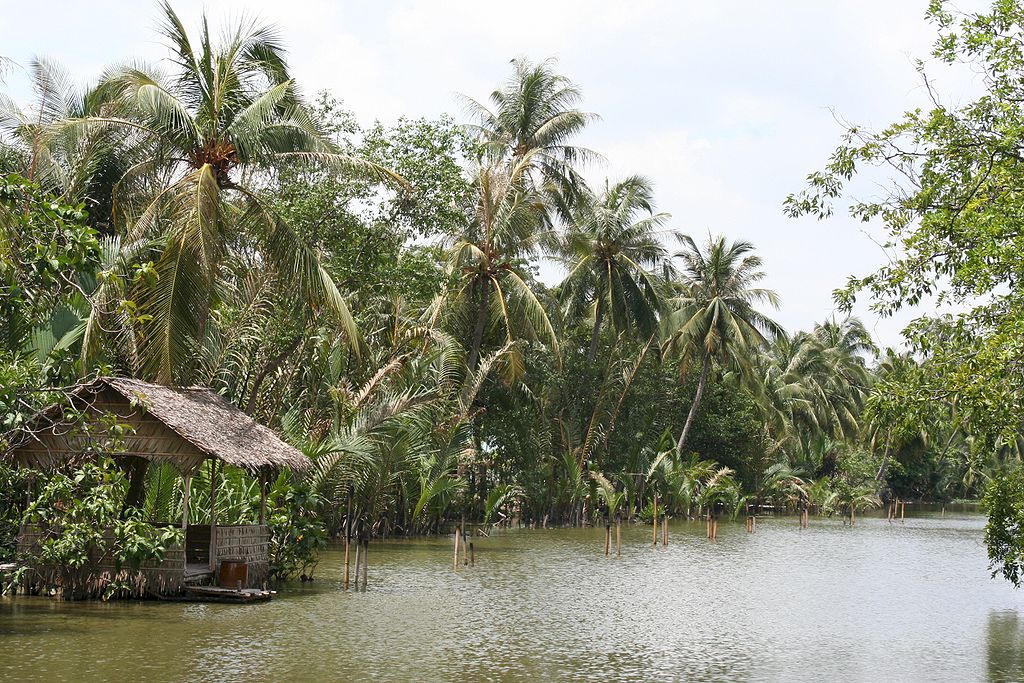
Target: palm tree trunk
(696, 402)
(885, 457)
(598, 318)
(478, 329)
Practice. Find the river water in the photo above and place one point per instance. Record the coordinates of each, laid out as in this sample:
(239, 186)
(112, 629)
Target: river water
(907, 602)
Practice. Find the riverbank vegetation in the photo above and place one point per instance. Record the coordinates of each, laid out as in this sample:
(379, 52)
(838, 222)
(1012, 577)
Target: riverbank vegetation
(374, 293)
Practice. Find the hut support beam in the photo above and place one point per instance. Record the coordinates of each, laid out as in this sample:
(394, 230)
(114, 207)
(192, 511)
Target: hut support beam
(213, 515)
(263, 499)
(186, 489)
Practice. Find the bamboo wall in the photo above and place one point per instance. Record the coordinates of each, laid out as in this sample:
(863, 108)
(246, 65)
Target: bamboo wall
(250, 543)
(155, 579)
(92, 580)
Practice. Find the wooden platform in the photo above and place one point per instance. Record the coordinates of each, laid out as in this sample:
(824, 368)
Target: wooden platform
(196, 573)
(218, 594)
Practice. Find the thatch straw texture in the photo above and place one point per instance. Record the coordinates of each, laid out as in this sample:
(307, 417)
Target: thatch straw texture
(183, 425)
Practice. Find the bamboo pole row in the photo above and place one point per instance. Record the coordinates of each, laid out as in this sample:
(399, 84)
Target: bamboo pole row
(712, 525)
(361, 562)
(899, 507)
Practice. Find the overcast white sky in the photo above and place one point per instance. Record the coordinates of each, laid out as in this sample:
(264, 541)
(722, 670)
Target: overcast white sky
(726, 105)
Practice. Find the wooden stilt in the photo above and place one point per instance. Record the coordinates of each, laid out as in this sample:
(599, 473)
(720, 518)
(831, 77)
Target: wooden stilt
(347, 567)
(654, 525)
(359, 559)
(664, 530)
(186, 488)
(472, 555)
(263, 499)
(366, 561)
(465, 548)
(607, 538)
(348, 533)
(213, 515)
(458, 535)
(618, 537)
(903, 511)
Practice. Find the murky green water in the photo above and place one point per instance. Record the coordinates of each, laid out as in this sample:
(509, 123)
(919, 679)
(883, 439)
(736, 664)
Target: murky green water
(878, 601)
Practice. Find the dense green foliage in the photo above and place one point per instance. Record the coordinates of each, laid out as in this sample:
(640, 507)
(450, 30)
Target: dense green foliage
(1004, 534)
(952, 215)
(372, 293)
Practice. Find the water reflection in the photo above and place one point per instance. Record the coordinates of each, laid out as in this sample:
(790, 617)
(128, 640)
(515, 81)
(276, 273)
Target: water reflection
(910, 601)
(1005, 647)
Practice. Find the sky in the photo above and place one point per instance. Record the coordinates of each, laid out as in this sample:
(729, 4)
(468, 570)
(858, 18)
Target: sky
(725, 105)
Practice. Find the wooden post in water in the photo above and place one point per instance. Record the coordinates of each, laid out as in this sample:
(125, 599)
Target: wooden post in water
(707, 523)
(359, 558)
(618, 536)
(348, 533)
(455, 562)
(903, 512)
(655, 522)
(607, 538)
(664, 529)
(472, 555)
(366, 560)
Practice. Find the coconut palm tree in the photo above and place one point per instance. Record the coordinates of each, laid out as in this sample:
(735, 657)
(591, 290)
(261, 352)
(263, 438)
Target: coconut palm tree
(226, 113)
(73, 162)
(812, 384)
(714, 317)
(613, 252)
(534, 115)
(487, 262)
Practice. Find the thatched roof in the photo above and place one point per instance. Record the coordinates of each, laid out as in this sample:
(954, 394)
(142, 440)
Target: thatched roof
(184, 425)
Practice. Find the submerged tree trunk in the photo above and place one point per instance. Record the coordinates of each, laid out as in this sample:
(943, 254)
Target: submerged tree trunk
(478, 329)
(595, 335)
(696, 403)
